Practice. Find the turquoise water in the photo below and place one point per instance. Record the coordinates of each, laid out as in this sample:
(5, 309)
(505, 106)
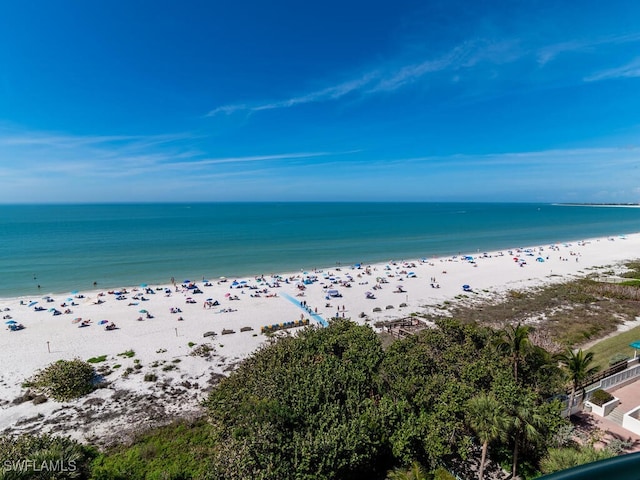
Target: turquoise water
(68, 247)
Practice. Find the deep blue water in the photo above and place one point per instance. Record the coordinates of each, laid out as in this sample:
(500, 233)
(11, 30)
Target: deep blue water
(68, 247)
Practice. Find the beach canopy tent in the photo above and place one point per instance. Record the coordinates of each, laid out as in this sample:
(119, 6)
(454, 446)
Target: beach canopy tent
(636, 346)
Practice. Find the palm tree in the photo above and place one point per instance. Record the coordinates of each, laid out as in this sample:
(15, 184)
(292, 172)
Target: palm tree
(414, 472)
(526, 423)
(514, 341)
(488, 419)
(578, 369)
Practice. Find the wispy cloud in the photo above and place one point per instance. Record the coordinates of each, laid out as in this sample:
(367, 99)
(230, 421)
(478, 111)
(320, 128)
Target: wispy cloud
(58, 155)
(389, 77)
(550, 52)
(330, 93)
(392, 74)
(631, 69)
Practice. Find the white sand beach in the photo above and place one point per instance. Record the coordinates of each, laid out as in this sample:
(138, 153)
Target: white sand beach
(162, 343)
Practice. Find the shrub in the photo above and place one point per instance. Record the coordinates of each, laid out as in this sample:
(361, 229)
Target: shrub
(204, 350)
(600, 397)
(39, 399)
(128, 354)
(442, 474)
(150, 377)
(64, 380)
(72, 458)
(99, 359)
(617, 358)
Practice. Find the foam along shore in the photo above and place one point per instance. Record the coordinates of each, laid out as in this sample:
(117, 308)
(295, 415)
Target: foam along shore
(163, 323)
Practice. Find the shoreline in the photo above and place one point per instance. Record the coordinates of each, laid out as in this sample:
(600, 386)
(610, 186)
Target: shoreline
(163, 344)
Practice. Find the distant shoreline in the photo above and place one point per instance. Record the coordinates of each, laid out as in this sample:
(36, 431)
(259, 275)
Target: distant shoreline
(632, 205)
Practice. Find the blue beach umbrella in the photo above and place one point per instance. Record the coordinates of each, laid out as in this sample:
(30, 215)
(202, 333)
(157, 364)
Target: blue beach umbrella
(31, 304)
(10, 322)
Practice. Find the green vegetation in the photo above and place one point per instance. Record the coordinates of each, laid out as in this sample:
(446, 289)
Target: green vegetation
(566, 457)
(74, 459)
(571, 313)
(343, 402)
(64, 380)
(332, 403)
(128, 354)
(99, 359)
(600, 397)
(604, 350)
(578, 367)
(203, 350)
(178, 451)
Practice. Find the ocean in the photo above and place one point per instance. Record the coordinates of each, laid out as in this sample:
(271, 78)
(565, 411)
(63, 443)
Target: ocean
(60, 248)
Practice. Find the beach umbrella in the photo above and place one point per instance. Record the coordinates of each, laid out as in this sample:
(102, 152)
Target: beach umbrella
(10, 322)
(466, 286)
(186, 281)
(52, 309)
(102, 322)
(31, 304)
(76, 320)
(209, 299)
(227, 294)
(142, 311)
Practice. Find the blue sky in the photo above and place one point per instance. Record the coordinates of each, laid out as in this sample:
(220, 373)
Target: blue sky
(308, 101)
